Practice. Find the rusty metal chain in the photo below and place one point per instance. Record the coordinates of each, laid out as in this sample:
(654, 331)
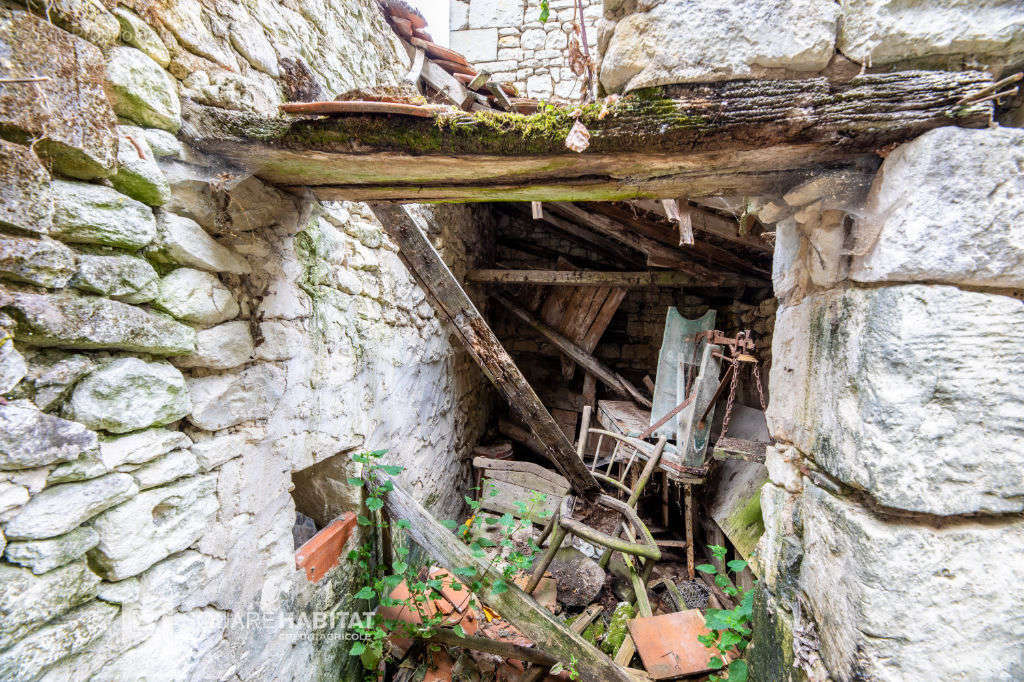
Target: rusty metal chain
(733, 383)
(760, 387)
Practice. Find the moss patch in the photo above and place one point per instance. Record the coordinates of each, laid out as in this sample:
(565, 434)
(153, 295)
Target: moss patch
(617, 628)
(746, 525)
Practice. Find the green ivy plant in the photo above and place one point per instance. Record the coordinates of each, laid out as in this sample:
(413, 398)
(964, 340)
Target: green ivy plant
(377, 582)
(729, 627)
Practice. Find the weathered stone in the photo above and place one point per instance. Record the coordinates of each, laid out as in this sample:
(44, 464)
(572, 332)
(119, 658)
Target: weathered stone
(191, 26)
(25, 201)
(11, 496)
(30, 438)
(281, 341)
(121, 592)
(57, 510)
(478, 44)
(140, 447)
(164, 144)
(458, 15)
(961, 224)
(579, 578)
(196, 296)
(88, 465)
(253, 205)
(251, 42)
(678, 41)
(153, 525)
(67, 116)
(53, 379)
(191, 193)
(213, 452)
(69, 320)
(141, 91)
(860, 572)
(892, 390)
(44, 262)
(94, 214)
(168, 583)
(835, 190)
(129, 394)
(169, 467)
(41, 556)
(138, 34)
(495, 13)
(117, 275)
(182, 241)
(879, 32)
(137, 174)
(227, 399)
(12, 363)
(87, 19)
(32, 479)
(70, 633)
(28, 601)
(222, 347)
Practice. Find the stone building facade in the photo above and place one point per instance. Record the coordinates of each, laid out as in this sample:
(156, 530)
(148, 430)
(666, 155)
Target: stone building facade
(509, 40)
(187, 353)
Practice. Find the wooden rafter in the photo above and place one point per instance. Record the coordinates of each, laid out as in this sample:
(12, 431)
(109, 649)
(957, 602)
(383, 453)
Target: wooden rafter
(600, 278)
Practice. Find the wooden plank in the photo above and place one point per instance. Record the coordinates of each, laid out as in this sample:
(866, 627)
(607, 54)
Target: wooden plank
(693, 435)
(525, 479)
(492, 465)
(707, 221)
(451, 302)
(446, 84)
(514, 605)
(438, 51)
(739, 448)
(618, 252)
(598, 278)
(603, 318)
(501, 497)
(736, 503)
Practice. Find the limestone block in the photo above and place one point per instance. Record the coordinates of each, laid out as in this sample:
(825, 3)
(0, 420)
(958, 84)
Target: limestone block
(94, 214)
(679, 41)
(782, 464)
(961, 224)
(191, 26)
(533, 39)
(68, 116)
(280, 341)
(213, 452)
(44, 262)
(458, 15)
(70, 320)
(222, 347)
(163, 587)
(118, 275)
(164, 144)
(121, 592)
(251, 42)
(27, 601)
(87, 19)
(191, 193)
(57, 510)
(140, 447)
(194, 634)
(494, 13)
(912, 393)
(137, 174)
(539, 87)
(253, 205)
(182, 241)
(153, 525)
(138, 34)
(12, 363)
(30, 438)
(255, 92)
(227, 399)
(476, 44)
(169, 467)
(140, 91)
(826, 233)
(88, 465)
(63, 637)
(41, 556)
(861, 572)
(880, 32)
(12, 496)
(25, 201)
(196, 296)
(579, 577)
(129, 394)
(842, 189)
(53, 377)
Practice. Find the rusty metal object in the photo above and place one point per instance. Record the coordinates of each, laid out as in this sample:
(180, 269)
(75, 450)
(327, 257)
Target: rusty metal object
(668, 644)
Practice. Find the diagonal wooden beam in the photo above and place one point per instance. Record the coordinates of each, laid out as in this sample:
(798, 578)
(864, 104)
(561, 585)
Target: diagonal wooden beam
(449, 299)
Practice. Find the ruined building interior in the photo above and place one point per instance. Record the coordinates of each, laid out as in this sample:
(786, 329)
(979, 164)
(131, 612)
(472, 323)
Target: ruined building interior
(593, 340)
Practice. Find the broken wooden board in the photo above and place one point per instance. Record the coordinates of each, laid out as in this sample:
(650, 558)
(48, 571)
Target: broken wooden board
(677, 346)
(733, 137)
(501, 497)
(736, 503)
(523, 473)
(452, 303)
(694, 433)
(668, 644)
(738, 448)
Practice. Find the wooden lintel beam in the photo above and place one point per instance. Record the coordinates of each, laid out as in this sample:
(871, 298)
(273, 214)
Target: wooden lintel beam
(449, 299)
(600, 278)
(518, 608)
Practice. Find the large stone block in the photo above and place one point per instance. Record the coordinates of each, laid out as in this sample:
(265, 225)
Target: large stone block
(30, 438)
(196, 296)
(69, 320)
(911, 601)
(25, 201)
(140, 447)
(129, 394)
(495, 14)
(680, 41)
(43, 262)
(962, 223)
(167, 584)
(153, 525)
(67, 635)
(68, 114)
(87, 19)
(138, 174)
(41, 556)
(181, 241)
(53, 374)
(94, 214)
(138, 34)
(224, 400)
(169, 467)
(880, 32)
(476, 44)
(60, 508)
(27, 600)
(222, 347)
(118, 275)
(141, 91)
(12, 363)
(912, 393)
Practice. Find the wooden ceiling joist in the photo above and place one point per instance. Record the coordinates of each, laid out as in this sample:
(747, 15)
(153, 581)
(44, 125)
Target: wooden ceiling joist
(737, 137)
(601, 278)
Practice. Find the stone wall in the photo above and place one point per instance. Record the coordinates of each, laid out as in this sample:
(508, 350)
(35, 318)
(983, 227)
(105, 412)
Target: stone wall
(508, 39)
(178, 339)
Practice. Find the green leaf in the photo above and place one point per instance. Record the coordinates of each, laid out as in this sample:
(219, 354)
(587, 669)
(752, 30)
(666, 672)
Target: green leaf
(473, 504)
(386, 487)
(468, 571)
(707, 568)
(448, 523)
(721, 580)
(376, 453)
(556, 668)
(707, 640)
(365, 593)
(718, 551)
(374, 503)
(358, 482)
(737, 565)
(507, 520)
(363, 521)
(356, 649)
(731, 591)
(486, 542)
(499, 586)
(729, 639)
(459, 631)
(403, 523)
(716, 662)
(389, 469)
(400, 566)
(738, 671)
(545, 12)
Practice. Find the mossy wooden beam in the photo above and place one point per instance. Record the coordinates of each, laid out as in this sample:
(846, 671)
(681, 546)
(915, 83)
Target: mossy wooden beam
(682, 140)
